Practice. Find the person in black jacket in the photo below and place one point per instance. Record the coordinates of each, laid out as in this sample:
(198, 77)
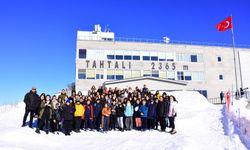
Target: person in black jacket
(97, 114)
(119, 114)
(162, 112)
(137, 115)
(32, 103)
(67, 115)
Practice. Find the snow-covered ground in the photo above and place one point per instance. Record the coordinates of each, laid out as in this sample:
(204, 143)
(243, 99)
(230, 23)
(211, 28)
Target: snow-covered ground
(199, 125)
(239, 117)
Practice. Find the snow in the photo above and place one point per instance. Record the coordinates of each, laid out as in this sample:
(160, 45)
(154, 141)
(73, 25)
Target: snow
(240, 120)
(199, 125)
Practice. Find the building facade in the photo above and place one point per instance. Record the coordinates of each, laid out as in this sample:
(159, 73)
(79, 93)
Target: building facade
(101, 59)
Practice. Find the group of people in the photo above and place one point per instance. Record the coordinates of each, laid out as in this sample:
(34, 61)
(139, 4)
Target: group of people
(102, 110)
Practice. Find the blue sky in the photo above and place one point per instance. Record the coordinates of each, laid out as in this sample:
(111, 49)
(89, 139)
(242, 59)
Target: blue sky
(38, 38)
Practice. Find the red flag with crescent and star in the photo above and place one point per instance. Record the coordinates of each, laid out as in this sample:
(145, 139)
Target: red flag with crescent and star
(225, 24)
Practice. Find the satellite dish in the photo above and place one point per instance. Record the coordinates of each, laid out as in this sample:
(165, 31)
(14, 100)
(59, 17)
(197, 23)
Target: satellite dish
(166, 40)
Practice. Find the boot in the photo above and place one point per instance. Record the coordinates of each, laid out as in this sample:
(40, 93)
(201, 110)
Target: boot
(37, 131)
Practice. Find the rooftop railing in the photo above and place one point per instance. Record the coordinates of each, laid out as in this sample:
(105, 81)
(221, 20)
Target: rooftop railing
(162, 41)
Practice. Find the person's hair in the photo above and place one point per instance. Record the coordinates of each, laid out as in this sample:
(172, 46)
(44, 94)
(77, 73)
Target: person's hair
(79, 93)
(54, 96)
(43, 94)
(48, 96)
(174, 99)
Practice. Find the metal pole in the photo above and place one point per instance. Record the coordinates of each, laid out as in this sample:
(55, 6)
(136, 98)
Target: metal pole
(241, 80)
(236, 77)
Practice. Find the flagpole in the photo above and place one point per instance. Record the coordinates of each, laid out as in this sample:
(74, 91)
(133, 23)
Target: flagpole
(233, 44)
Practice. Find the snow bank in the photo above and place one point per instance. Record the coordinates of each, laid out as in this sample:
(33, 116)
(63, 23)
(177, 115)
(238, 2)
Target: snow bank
(239, 115)
(198, 127)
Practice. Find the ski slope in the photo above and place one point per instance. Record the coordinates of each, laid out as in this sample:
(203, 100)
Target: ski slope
(199, 125)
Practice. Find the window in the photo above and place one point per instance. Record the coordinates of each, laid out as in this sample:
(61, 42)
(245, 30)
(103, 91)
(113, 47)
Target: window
(146, 58)
(198, 76)
(90, 74)
(221, 77)
(127, 57)
(200, 58)
(119, 75)
(171, 75)
(162, 74)
(136, 57)
(111, 56)
(136, 73)
(119, 57)
(193, 58)
(146, 73)
(187, 57)
(82, 53)
(155, 73)
(81, 73)
(219, 59)
(179, 57)
(180, 75)
(203, 92)
(110, 74)
(188, 76)
(162, 56)
(127, 74)
(99, 74)
(154, 58)
(170, 56)
(93, 54)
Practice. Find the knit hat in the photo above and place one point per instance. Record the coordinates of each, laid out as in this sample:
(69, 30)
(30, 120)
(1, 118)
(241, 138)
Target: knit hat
(68, 101)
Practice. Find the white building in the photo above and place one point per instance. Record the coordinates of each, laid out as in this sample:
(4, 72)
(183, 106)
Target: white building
(102, 59)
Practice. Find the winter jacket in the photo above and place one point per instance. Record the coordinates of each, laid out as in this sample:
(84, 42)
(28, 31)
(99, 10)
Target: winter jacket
(162, 109)
(144, 110)
(97, 109)
(120, 110)
(88, 113)
(151, 110)
(43, 113)
(113, 109)
(67, 113)
(79, 110)
(137, 112)
(56, 115)
(62, 96)
(167, 106)
(32, 101)
(172, 109)
(106, 111)
(129, 111)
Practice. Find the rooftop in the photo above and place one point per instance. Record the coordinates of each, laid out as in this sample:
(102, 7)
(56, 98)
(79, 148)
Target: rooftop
(98, 35)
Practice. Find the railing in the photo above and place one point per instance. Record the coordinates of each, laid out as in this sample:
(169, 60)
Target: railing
(162, 41)
(245, 94)
(216, 100)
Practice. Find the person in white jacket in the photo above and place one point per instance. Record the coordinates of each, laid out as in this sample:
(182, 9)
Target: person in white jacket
(172, 114)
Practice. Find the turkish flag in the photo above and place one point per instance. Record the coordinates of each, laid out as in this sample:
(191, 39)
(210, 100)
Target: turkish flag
(225, 24)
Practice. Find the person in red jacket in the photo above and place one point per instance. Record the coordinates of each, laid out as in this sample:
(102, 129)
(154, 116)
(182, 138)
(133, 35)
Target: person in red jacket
(88, 116)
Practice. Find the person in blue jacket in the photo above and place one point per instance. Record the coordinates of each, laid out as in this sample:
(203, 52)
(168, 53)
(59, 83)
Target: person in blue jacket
(129, 111)
(144, 114)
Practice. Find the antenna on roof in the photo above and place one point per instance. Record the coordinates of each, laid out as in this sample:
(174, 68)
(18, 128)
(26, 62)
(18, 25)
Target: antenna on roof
(166, 39)
(107, 28)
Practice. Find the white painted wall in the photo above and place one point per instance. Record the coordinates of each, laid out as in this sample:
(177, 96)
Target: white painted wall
(245, 67)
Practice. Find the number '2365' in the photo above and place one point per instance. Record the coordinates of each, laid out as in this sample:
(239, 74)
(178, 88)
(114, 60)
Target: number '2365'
(162, 66)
